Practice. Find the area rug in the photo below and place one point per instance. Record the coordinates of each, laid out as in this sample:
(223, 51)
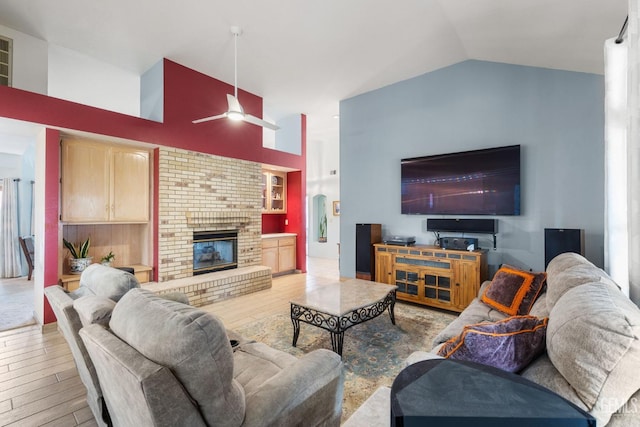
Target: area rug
(374, 352)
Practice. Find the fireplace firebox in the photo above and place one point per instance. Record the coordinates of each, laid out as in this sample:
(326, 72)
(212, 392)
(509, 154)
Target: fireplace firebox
(214, 251)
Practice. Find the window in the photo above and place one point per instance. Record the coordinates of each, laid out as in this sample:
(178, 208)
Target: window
(5, 61)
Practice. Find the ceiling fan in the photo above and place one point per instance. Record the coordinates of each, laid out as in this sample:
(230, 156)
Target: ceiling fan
(235, 111)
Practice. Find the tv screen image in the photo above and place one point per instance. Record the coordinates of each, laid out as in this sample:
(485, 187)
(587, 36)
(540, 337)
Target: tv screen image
(478, 182)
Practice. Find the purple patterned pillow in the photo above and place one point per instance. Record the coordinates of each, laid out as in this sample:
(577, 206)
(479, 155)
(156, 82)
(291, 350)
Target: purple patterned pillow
(509, 344)
(513, 291)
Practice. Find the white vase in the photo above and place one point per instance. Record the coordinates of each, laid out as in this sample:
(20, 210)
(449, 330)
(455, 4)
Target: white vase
(77, 265)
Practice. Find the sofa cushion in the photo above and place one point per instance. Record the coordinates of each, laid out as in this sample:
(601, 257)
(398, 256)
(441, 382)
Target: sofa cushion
(541, 371)
(509, 344)
(565, 260)
(475, 312)
(578, 274)
(513, 291)
(192, 343)
(94, 309)
(106, 281)
(540, 308)
(593, 341)
(255, 363)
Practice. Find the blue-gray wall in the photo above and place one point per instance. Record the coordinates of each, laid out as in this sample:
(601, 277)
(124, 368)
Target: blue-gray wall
(556, 116)
(152, 93)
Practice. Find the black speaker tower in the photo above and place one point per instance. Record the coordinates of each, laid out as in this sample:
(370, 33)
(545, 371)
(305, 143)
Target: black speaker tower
(366, 236)
(560, 240)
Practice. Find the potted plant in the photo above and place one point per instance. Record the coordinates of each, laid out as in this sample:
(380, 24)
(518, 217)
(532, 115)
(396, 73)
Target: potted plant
(80, 258)
(322, 231)
(107, 259)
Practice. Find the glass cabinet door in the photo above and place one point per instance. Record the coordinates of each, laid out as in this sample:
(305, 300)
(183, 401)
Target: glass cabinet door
(265, 176)
(407, 282)
(437, 286)
(277, 193)
(274, 192)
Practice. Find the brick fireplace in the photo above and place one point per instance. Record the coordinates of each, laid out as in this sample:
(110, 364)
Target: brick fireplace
(203, 192)
(214, 251)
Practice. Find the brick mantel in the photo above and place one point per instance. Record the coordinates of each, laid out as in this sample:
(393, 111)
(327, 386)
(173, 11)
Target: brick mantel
(239, 218)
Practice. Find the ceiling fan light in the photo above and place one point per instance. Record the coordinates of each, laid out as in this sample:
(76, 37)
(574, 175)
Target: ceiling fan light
(236, 116)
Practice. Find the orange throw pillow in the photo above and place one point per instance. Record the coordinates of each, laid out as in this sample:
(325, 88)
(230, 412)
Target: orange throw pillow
(513, 291)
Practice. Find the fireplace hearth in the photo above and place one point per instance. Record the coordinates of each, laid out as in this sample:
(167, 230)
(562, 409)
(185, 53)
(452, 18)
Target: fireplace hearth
(214, 251)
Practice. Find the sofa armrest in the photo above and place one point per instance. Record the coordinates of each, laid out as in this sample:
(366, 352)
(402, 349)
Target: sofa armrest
(69, 325)
(180, 297)
(309, 393)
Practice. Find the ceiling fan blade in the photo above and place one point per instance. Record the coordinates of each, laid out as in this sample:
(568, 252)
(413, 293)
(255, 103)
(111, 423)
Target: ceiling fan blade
(256, 121)
(207, 119)
(234, 104)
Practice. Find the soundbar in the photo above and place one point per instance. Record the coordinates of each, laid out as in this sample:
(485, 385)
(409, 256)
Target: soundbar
(482, 226)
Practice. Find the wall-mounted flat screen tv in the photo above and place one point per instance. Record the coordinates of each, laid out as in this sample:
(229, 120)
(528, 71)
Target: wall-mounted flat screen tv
(478, 182)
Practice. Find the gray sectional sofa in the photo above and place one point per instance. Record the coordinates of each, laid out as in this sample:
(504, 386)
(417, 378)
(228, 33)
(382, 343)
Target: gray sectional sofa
(155, 361)
(164, 363)
(592, 355)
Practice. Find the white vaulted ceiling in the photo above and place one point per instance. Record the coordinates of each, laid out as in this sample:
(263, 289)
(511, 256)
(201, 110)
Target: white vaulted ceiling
(305, 56)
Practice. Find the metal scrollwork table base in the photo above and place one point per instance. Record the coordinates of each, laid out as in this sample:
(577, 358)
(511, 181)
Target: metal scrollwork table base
(338, 306)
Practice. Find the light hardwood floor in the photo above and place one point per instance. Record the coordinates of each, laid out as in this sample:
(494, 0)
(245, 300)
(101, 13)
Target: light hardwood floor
(39, 384)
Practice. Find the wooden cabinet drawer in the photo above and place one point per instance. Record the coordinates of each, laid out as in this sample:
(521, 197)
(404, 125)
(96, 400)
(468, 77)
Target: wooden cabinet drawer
(287, 241)
(269, 243)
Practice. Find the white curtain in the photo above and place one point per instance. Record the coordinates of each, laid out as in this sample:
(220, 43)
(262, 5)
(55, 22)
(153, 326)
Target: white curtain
(31, 211)
(633, 149)
(10, 262)
(616, 117)
(622, 157)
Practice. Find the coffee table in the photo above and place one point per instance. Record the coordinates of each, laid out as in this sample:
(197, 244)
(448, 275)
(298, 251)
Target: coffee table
(338, 306)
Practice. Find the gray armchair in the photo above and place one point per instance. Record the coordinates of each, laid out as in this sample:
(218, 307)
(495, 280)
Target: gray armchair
(161, 363)
(95, 280)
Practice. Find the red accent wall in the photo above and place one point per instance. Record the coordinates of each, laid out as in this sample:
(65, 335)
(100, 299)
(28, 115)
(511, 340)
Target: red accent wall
(188, 95)
(296, 203)
(274, 223)
(51, 203)
(295, 215)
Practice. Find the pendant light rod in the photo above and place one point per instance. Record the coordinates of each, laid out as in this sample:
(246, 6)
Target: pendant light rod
(620, 38)
(236, 31)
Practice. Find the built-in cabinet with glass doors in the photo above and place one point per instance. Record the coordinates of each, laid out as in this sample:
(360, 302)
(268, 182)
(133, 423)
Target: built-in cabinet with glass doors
(274, 191)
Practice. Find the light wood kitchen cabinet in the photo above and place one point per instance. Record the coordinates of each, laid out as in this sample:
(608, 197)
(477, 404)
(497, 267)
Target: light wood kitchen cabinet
(447, 279)
(279, 253)
(103, 183)
(270, 254)
(274, 192)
